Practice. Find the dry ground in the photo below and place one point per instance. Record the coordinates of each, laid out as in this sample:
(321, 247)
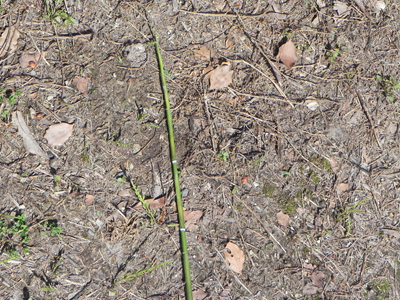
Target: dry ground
(323, 150)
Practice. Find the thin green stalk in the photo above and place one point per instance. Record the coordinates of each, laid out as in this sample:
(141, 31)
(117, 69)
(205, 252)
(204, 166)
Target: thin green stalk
(174, 165)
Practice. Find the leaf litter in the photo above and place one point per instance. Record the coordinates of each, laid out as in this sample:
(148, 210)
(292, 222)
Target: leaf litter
(30, 143)
(317, 279)
(203, 53)
(9, 40)
(234, 257)
(29, 59)
(283, 219)
(81, 84)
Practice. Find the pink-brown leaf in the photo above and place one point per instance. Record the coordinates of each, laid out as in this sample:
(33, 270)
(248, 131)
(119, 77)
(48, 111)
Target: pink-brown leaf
(283, 219)
(221, 77)
(58, 134)
(29, 59)
(287, 54)
(234, 257)
(81, 84)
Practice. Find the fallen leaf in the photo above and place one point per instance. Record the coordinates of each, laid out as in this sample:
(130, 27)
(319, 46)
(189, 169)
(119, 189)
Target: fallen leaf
(81, 83)
(321, 3)
(379, 5)
(30, 143)
(220, 77)
(27, 58)
(228, 43)
(287, 54)
(199, 295)
(317, 278)
(125, 193)
(234, 257)
(283, 219)
(9, 40)
(58, 134)
(89, 199)
(153, 203)
(334, 164)
(202, 53)
(340, 7)
(360, 4)
(310, 289)
(311, 104)
(342, 187)
(191, 216)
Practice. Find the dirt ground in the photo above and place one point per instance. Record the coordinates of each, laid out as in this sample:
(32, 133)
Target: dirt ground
(297, 167)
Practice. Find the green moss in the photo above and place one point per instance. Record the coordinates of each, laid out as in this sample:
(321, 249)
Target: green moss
(320, 162)
(268, 190)
(239, 207)
(288, 203)
(381, 288)
(85, 157)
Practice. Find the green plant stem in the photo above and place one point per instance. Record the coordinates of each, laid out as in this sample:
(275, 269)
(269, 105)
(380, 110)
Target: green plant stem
(174, 165)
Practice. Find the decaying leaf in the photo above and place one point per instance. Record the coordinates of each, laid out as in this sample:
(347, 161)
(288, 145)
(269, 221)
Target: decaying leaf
(234, 257)
(202, 53)
(153, 203)
(287, 54)
(317, 278)
(334, 164)
(228, 43)
(199, 295)
(342, 187)
(310, 289)
(81, 83)
(379, 5)
(360, 4)
(30, 143)
(220, 77)
(89, 199)
(29, 59)
(340, 7)
(283, 219)
(9, 40)
(58, 134)
(191, 216)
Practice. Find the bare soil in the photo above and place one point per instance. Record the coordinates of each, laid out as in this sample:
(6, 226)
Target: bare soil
(318, 142)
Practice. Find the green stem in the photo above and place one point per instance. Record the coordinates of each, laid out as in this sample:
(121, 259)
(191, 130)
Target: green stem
(174, 165)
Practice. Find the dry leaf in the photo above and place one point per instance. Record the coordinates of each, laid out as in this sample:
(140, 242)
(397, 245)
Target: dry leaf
(125, 193)
(317, 278)
(58, 134)
(228, 43)
(283, 219)
(199, 295)
(30, 143)
(81, 83)
(191, 216)
(321, 3)
(334, 164)
(287, 54)
(220, 77)
(311, 104)
(202, 53)
(342, 187)
(28, 59)
(379, 5)
(9, 40)
(360, 4)
(310, 289)
(234, 257)
(89, 199)
(340, 7)
(153, 203)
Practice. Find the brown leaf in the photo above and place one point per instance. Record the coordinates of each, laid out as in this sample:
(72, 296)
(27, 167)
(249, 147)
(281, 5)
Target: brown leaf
(9, 40)
(191, 216)
(154, 203)
(199, 295)
(234, 257)
(27, 58)
(229, 43)
(317, 278)
(30, 143)
(310, 289)
(283, 219)
(220, 77)
(342, 187)
(89, 199)
(334, 164)
(202, 53)
(81, 83)
(58, 134)
(287, 54)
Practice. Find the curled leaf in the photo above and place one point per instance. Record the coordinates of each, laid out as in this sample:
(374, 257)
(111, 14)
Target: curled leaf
(287, 54)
